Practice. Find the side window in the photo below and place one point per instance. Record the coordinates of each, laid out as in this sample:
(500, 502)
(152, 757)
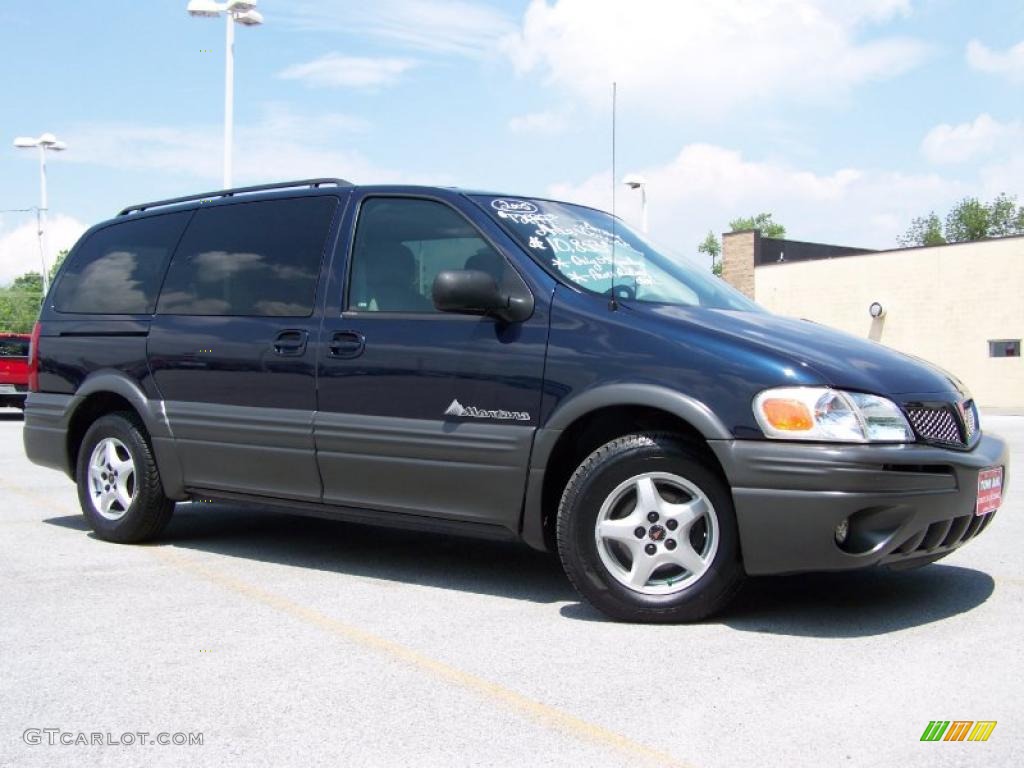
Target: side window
(250, 259)
(13, 347)
(118, 269)
(402, 244)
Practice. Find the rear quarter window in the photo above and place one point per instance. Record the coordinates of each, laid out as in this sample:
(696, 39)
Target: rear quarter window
(117, 270)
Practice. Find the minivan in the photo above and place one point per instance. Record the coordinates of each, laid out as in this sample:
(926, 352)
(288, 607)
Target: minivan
(496, 366)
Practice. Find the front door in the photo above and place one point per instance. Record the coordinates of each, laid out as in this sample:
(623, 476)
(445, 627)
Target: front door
(233, 345)
(420, 411)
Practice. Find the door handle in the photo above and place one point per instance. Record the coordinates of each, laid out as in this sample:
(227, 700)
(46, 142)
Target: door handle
(290, 343)
(346, 344)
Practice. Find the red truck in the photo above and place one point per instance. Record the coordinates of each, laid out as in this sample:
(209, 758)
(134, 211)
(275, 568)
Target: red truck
(13, 369)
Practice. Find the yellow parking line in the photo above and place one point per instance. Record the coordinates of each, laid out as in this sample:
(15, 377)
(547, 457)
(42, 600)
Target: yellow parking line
(547, 715)
(543, 713)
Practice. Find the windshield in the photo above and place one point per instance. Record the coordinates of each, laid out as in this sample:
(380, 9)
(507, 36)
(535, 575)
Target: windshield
(576, 243)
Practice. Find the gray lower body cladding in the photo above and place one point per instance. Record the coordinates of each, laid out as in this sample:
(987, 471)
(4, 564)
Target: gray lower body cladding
(450, 476)
(45, 433)
(906, 504)
(48, 421)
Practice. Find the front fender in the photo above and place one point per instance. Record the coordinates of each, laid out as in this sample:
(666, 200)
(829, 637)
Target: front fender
(687, 408)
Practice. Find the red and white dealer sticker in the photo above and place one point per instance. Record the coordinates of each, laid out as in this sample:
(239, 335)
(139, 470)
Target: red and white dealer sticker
(990, 490)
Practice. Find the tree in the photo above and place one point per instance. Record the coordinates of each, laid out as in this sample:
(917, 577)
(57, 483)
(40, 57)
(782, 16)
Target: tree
(969, 220)
(61, 255)
(30, 282)
(20, 301)
(924, 230)
(711, 247)
(1005, 217)
(762, 222)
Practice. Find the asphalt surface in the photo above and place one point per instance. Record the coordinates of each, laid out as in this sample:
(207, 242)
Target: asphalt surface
(296, 641)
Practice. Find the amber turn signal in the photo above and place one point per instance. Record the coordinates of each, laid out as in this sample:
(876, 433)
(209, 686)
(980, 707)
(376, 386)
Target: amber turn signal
(789, 415)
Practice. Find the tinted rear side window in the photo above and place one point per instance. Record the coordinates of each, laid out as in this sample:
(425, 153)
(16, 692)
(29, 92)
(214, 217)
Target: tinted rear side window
(250, 259)
(118, 269)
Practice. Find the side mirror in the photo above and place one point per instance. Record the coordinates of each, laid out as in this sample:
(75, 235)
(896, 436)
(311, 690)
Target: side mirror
(474, 292)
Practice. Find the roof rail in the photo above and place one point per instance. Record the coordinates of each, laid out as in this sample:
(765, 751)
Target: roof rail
(235, 191)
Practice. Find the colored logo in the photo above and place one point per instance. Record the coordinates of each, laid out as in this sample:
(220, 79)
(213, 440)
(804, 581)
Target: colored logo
(958, 730)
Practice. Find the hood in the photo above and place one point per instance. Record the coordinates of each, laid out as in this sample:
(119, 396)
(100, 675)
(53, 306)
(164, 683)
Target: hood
(842, 360)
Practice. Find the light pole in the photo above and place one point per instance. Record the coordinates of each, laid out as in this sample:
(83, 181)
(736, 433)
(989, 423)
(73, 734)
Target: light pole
(45, 142)
(236, 12)
(633, 181)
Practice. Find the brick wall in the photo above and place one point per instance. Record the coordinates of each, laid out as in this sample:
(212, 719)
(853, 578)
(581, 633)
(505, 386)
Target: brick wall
(739, 250)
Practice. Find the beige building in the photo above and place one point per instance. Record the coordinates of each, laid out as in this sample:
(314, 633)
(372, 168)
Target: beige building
(960, 306)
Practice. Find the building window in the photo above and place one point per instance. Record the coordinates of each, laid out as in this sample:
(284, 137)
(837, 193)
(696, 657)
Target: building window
(1004, 348)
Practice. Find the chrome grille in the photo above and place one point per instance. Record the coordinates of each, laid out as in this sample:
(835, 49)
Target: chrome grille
(936, 424)
(970, 419)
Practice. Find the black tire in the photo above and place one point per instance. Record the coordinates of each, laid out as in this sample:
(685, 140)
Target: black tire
(595, 479)
(150, 510)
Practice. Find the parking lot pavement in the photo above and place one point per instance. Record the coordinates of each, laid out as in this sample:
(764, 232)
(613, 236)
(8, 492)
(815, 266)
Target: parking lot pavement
(298, 641)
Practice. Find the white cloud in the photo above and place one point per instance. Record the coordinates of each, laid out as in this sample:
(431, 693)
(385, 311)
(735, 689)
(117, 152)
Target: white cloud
(457, 27)
(1009, 63)
(543, 123)
(19, 244)
(705, 186)
(337, 71)
(993, 150)
(709, 57)
(967, 141)
(871, 10)
(281, 145)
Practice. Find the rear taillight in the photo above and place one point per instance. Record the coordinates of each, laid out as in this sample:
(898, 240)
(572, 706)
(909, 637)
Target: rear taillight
(33, 359)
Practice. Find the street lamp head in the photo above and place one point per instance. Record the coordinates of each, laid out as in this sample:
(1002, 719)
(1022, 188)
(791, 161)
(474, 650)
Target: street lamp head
(634, 181)
(249, 18)
(241, 6)
(207, 8)
(57, 146)
(24, 142)
(47, 140)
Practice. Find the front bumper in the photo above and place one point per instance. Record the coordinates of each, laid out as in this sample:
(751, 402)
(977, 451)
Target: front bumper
(907, 504)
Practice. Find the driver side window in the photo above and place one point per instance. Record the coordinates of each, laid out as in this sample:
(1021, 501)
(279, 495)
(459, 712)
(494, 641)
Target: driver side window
(401, 244)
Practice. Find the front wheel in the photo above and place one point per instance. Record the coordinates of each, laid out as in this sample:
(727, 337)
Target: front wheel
(647, 532)
(119, 484)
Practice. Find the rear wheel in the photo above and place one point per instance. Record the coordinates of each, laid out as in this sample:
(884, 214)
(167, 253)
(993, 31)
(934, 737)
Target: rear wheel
(647, 532)
(119, 485)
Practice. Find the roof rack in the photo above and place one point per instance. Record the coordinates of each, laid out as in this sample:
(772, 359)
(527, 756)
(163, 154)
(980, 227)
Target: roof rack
(314, 183)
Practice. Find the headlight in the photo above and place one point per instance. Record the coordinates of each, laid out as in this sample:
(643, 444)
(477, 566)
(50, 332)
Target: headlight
(823, 414)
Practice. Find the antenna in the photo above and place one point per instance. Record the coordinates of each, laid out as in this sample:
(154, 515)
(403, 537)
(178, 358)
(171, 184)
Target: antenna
(613, 303)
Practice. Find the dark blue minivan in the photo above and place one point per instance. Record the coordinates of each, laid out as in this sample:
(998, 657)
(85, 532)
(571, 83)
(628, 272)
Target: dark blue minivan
(496, 366)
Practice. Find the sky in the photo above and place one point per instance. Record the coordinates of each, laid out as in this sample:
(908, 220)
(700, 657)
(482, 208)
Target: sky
(843, 119)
